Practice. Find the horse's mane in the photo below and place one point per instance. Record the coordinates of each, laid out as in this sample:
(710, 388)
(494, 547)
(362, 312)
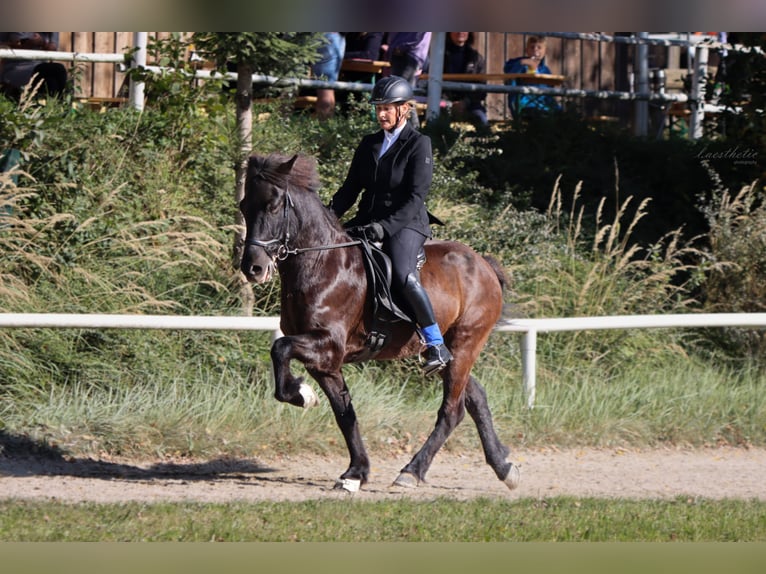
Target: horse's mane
(303, 174)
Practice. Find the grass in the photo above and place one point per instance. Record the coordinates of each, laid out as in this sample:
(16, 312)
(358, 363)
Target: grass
(213, 413)
(230, 410)
(561, 519)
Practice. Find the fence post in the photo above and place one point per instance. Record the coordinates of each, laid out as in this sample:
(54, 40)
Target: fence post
(528, 365)
(434, 97)
(697, 93)
(642, 86)
(136, 95)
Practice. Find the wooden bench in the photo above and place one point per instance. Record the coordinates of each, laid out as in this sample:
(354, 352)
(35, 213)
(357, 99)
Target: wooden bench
(298, 103)
(305, 102)
(100, 104)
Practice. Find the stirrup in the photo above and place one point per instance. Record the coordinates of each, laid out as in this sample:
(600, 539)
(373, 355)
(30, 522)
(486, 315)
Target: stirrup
(436, 358)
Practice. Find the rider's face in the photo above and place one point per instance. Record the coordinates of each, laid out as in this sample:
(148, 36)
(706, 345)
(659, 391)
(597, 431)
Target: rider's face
(388, 118)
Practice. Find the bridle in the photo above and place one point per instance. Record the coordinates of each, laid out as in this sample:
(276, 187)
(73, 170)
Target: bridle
(282, 243)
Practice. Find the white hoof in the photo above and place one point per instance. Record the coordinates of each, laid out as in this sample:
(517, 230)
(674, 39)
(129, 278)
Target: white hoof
(310, 398)
(406, 480)
(513, 477)
(348, 484)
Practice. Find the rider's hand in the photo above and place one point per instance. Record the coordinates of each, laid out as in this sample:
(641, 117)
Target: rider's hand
(372, 232)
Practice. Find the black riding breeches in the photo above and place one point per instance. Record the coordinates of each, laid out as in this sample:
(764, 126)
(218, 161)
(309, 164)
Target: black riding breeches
(403, 248)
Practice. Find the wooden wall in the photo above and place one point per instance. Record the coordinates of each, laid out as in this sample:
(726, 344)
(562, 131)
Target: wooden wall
(586, 64)
(98, 79)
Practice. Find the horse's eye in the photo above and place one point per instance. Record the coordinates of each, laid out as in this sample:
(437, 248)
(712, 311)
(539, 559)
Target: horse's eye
(274, 204)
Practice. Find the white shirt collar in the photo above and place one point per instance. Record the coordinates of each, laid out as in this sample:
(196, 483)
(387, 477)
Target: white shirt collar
(390, 138)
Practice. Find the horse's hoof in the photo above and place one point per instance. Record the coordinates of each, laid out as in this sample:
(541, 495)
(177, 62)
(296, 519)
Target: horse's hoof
(406, 480)
(513, 477)
(348, 484)
(310, 398)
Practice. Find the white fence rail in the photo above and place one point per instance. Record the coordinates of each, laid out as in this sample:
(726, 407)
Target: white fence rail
(529, 328)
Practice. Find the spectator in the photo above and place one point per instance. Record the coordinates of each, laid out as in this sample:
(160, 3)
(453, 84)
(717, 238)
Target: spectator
(51, 77)
(460, 57)
(408, 54)
(531, 63)
(364, 45)
(331, 55)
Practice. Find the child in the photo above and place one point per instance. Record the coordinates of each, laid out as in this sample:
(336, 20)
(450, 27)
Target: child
(531, 63)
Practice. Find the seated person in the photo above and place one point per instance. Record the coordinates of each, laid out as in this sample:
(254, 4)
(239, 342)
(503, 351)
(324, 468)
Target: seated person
(364, 45)
(331, 55)
(16, 74)
(360, 46)
(531, 63)
(460, 57)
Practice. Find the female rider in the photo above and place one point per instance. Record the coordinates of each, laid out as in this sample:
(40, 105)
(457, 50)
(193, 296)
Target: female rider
(392, 168)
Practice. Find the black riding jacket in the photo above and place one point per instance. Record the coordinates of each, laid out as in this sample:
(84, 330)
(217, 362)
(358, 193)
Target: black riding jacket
(393, 188)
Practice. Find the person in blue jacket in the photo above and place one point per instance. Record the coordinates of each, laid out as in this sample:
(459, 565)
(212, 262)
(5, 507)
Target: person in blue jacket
(533, 62)
(392, 169)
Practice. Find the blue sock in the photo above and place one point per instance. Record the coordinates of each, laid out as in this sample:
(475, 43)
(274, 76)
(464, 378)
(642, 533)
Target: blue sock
(433, 335)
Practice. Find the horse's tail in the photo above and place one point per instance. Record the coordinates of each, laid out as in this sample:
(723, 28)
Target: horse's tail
(502, 277)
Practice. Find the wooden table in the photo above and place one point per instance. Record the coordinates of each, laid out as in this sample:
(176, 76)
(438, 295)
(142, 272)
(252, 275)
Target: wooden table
(547, 79)
(370, 66)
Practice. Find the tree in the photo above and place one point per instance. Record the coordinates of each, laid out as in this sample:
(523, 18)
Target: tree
(743, 74)
(267, 53)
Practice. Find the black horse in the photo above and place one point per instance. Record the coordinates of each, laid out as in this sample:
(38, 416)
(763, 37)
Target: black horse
(326, 313)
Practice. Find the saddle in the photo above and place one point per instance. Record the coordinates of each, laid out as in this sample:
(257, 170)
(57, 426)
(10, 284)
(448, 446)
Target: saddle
(385, 310)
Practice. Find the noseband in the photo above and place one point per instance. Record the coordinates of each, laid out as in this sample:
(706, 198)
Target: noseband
(282, 248)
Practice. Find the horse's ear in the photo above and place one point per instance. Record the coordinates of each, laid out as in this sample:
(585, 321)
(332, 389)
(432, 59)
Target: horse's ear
(287, 167)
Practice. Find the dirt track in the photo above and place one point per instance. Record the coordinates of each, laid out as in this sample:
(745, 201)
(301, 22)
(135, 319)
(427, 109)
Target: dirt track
(708, 473)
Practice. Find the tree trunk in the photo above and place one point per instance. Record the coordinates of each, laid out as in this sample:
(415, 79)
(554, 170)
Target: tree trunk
(244, 100)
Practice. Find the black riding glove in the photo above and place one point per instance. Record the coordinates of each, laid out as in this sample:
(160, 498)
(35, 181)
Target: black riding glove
(372, 232)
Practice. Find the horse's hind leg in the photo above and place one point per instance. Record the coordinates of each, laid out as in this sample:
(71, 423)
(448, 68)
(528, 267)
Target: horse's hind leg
(495, 452)
(450, 414)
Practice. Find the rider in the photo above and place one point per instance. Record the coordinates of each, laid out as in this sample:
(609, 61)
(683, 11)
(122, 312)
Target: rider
(394, 167)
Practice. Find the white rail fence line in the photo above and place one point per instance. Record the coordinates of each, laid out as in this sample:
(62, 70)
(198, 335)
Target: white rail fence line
(529, 328)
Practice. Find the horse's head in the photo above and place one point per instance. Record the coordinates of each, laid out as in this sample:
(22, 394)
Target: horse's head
(269, 210)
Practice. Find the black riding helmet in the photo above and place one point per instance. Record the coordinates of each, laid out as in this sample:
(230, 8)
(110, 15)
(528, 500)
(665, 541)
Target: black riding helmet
(391, 90)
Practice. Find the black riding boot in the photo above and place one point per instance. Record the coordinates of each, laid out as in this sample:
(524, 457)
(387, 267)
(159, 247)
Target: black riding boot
(436, 355)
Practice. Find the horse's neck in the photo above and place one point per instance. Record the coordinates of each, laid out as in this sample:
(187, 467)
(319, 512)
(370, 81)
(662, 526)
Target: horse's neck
(318, 236)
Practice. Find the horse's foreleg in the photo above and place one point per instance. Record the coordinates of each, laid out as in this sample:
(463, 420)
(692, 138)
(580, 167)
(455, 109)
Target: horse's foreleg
(317, 355)
(334, 386)
(287, 387)
(495, 452)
